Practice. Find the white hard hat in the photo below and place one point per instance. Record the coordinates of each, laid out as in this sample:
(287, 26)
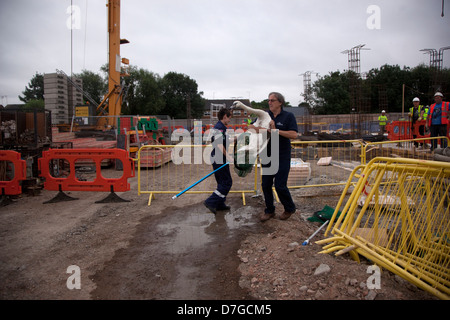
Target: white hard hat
(383, 111)
(438, 94)
(416, 99)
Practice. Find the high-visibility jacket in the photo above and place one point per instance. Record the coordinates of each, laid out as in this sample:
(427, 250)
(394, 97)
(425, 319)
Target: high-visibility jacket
(444, 112)
(382, 120)
(411, 111)
(425, 113)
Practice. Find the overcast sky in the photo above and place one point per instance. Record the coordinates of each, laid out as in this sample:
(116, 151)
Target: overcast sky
(231, 48)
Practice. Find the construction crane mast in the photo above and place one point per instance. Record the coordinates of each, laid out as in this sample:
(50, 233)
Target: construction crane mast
(115, 72)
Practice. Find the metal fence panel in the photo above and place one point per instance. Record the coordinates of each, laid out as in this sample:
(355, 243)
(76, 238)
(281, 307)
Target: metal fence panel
(169, 169)
(398, 216)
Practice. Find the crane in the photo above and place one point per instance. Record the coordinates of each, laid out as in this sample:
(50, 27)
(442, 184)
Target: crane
(110, 107)
(115, 88)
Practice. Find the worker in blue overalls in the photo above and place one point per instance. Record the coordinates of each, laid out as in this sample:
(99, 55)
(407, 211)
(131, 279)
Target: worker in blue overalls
(220, 156)
(286, 124)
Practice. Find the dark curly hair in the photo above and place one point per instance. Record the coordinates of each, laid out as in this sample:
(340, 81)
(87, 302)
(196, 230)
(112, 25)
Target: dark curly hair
(223, 112)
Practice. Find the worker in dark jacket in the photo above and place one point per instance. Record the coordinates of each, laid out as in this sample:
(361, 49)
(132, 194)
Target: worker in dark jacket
(286, 125)
(220, 156)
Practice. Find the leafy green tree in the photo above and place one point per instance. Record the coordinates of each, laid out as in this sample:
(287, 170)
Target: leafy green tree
(34, 90)
(419, 86)
(143, 93)
(422, 84)
(179, 91)
(332, 94)
(264, 104)
(93, 84)
(33, 104)
(261, 105)
(392, 79)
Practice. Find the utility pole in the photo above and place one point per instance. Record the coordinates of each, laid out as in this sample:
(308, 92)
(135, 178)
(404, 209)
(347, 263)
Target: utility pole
(403, 101)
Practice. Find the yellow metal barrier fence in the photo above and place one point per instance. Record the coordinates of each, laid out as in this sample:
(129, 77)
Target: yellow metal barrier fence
(158, 174)
(169, 169)
(398, 217)
(313, 164)
(399, 149)
(323, 163)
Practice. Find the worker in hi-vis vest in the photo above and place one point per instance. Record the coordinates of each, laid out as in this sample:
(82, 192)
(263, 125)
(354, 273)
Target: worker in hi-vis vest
(417, 113)
(382, 120)
(438, 119)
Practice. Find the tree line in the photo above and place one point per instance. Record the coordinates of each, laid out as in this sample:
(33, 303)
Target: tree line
(379, 89)
(147, 93)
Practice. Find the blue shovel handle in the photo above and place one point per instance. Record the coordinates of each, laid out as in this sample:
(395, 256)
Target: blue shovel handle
(196, 183)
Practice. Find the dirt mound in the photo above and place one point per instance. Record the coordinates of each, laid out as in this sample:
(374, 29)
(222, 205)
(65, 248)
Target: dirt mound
(277, 266)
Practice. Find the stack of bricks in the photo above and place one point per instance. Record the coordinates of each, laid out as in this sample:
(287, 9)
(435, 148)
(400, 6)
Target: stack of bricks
(300, 172)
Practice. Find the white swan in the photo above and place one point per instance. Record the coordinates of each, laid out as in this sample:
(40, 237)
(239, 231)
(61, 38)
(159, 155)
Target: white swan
(263, 117)
(257, 140)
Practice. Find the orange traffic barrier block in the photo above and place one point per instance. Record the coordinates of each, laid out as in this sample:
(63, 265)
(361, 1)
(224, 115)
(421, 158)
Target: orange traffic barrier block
(14, 172)
(72, 183)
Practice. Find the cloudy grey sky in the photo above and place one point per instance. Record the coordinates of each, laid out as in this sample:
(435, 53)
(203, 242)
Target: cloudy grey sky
(232, 48)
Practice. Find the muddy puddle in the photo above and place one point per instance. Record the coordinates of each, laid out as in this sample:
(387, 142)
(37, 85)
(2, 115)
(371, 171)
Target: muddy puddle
(199, 227)
(182, 253)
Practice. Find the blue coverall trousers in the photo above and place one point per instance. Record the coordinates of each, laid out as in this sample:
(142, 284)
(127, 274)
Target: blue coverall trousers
(280, 179)
(224, 182)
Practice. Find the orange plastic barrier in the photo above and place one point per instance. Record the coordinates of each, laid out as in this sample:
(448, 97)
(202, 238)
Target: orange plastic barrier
(12, 186)
(401, 130)
(71, 183)
(416, 131)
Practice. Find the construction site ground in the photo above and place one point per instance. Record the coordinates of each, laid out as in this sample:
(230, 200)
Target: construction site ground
(177, 250)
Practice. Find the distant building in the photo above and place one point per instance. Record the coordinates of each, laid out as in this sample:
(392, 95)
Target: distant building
(14, 107)
(213, 106)
(298, 111)
(61, 97)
